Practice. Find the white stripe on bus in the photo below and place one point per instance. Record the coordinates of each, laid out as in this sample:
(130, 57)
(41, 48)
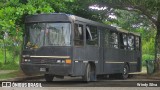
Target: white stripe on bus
(49, 56)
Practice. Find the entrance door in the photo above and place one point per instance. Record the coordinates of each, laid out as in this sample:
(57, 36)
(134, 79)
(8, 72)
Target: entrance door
(92, 44)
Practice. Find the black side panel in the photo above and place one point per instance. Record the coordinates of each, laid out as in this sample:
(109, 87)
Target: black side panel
(47, 18)
(92, 53)
(131, 58)
(79, 53)
(82, 56)
(78, 58)
(138, 60)
(112, 61)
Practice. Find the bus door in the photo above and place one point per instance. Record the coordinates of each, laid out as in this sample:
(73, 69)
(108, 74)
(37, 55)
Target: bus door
(78, 48)
(92, 44)
(100, 65)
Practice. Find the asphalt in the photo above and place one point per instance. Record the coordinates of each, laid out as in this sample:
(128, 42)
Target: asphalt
(22, 77)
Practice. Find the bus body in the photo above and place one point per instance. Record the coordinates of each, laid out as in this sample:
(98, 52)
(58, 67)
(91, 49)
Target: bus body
(68, 45)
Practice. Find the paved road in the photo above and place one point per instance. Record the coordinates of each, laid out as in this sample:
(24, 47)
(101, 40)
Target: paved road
(75, 83)
(101, 82)
(84, 88)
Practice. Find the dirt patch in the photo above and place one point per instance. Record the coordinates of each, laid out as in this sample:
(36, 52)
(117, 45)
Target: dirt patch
(155, 76)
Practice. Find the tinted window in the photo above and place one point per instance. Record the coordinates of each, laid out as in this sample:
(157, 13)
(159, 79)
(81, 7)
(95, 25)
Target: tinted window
(114, 39)
(91, 35)
(123, 40)
(78, 35)
(131, 42)
(47, 34)
(137, 43)
(106, 38)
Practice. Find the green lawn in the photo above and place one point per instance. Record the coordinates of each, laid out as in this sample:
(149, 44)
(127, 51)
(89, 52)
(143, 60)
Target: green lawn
(10, 65)
(9, 75)
(144, 69)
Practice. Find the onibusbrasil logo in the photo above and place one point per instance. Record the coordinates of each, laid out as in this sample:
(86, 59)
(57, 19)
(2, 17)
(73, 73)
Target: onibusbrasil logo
(20, 84)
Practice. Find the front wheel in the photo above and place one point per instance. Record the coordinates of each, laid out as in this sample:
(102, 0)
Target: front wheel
(87, 75)
(48, 77)
(90, 74)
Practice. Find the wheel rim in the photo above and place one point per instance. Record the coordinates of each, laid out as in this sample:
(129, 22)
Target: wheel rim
(125, 72)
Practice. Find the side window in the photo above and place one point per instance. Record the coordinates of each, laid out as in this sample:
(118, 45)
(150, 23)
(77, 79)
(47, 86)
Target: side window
(91, 35)
(106, 38)
(137, 43)
(123, 41)
(78, 35)
(114, 39)
(131, 42)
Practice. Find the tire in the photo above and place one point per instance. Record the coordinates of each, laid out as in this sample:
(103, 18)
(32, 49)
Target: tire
(124, 74)
(93, 74)
(130, 76)
(48, 77)
(87, 75)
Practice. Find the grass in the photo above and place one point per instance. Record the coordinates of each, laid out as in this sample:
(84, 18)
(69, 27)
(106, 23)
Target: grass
(1, 55)
(146, 57)
(9, 66)
(9, 75)
(144, 69)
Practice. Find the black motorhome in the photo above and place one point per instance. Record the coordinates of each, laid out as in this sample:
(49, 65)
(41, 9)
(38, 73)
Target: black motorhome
(58, 45)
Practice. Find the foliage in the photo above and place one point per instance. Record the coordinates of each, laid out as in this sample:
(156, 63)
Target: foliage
(147, 8)
(146, 57)
(134, 22)
(9, 66)
(142, 19)
(12, 13)
(12, 22)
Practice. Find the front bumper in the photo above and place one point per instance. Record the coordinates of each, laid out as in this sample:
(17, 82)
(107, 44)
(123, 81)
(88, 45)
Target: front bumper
(55, 69)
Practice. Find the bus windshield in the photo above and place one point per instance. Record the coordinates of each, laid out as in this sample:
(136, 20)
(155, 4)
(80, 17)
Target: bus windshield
(48, 34)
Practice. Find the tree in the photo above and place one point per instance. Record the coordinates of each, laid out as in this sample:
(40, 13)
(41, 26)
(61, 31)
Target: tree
(134, 22)
(147, 8)
(12, 13)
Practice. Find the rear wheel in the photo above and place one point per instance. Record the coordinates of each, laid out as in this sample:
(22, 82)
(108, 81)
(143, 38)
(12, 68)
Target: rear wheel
(48, 77)
(125, 75)
(130, 76)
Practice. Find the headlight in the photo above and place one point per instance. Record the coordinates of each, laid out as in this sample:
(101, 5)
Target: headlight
(63, 61)
(27, 60)
(67, 61)
(59, 61)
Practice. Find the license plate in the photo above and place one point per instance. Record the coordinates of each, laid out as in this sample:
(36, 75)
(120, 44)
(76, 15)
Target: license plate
(42, 69)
